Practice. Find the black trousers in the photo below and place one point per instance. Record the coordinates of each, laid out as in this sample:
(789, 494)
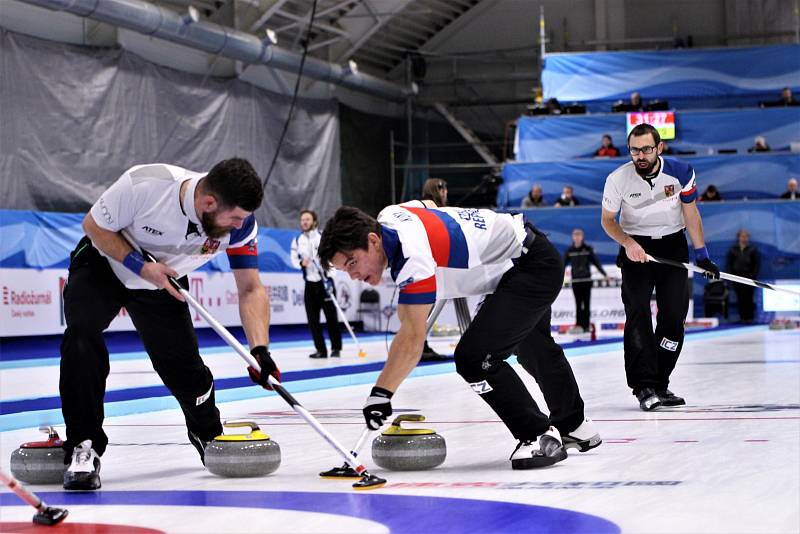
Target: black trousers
(583, 296)
(317, 299)
(516, 318)
(651, 356)
(93, 296)
(745, 301)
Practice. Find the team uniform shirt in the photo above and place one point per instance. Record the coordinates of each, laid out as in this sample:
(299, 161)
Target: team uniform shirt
(305, 246)
(650, 210)
(448, 252)
(145, 202)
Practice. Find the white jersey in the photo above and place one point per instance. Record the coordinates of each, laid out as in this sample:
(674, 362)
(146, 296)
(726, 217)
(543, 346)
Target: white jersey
(448, 252)
(145, 202)
(305, 246)
(650, 209)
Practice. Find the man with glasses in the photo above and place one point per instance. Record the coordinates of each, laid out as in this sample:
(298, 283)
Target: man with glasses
(655, 197)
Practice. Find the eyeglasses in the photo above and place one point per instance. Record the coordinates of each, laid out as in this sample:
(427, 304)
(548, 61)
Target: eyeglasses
(644, 150)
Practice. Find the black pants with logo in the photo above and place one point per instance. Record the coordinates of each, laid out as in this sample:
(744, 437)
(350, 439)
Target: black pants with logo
(93, 296)
(583, 298)
(516, 318)
(651, 356)
(316, 298)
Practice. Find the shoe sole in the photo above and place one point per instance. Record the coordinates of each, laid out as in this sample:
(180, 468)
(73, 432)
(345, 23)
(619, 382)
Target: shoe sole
(670, 404)
(582, 445)
(82, 484)
(535, 462)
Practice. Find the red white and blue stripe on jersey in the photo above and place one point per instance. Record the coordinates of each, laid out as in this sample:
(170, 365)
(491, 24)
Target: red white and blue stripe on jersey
(684, 173)
(243, 255)
(448, 247)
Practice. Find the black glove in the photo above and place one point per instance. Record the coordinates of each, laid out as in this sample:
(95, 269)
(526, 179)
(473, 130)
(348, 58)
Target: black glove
(712, 271)
(268, 367)
(378, 407)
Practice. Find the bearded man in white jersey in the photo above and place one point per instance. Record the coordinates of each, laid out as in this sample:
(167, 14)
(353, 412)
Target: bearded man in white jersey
(655, 197)
(183, 219)
(454, 252)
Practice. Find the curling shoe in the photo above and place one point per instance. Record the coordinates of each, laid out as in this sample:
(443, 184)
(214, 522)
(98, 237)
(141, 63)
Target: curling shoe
(336, 353)
(583, 438)
(550, 450)
(648, 400)
(668, 398)
(199, 444)
(318, 355)
(83, 473)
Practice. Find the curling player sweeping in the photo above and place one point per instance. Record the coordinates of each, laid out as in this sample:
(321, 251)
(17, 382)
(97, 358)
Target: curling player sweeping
(453, 252)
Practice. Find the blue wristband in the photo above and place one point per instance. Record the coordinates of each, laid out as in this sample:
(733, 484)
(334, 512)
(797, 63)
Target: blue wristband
(134, 261)
(700, 254)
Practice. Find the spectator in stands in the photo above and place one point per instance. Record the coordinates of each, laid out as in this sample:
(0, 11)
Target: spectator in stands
(636, 101)
(743, 260)
(791, 190)
(787, 99)
(759, 145)
(534, 198)
(667, 150)
(607, 150)
(710, 194)
(566, 198)
(553, 106)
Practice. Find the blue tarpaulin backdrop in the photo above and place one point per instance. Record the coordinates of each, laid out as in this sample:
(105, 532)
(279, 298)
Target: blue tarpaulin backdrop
(690, 78)
(575, 136)
(752, 176)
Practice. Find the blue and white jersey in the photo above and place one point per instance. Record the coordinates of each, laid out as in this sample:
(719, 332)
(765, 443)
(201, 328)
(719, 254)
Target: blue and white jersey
(650, 209)
(145, 202)
(448, 252)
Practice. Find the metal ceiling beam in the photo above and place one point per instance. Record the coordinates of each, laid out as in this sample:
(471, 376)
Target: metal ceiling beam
(157, 21)
(362, 29)
(271, 10)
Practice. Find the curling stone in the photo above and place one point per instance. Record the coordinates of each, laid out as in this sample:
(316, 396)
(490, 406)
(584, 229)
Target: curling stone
(40, 462)
(243, 455)
(408, 449)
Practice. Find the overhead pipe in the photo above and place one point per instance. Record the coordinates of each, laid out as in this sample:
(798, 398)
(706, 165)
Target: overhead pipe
(150, 19)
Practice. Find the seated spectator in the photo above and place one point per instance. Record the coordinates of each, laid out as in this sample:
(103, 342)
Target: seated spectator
(553, 106)
(759, 145)
(787, 99)
(791, 190)
(607, 150)
(666, 150)
(636, 101)
(566, 198)
(710, 194)
(534, 198)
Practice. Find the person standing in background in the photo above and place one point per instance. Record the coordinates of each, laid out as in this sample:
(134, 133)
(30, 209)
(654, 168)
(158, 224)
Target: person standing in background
(319, 289)
(581, 256)
(743, 260)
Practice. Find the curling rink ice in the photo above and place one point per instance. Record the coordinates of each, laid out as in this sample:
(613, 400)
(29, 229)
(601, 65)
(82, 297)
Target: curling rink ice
(728, 462)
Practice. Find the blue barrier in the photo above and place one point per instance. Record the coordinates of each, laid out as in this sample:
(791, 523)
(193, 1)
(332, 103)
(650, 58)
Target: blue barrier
(548, 138)
(774, 228)
(42, 240)
(752, 176)
(686, 78)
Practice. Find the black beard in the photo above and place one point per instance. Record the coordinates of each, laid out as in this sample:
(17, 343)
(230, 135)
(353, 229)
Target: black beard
(644, 173)
(210, 228)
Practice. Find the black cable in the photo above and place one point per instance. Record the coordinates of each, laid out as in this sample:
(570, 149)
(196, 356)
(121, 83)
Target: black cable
(296, 91)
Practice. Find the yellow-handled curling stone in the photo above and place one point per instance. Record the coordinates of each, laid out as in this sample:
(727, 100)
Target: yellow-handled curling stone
(408, 449)
(243, 455)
